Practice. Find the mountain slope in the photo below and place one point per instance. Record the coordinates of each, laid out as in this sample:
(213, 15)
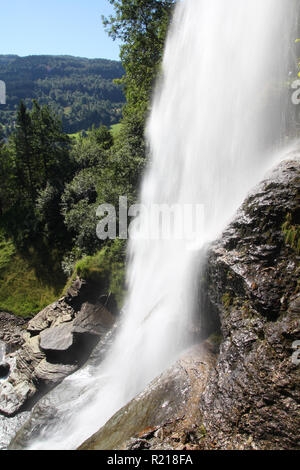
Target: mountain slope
(81, 91)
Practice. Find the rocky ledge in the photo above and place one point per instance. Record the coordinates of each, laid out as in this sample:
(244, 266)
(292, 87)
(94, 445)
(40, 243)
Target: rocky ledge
(55, 343)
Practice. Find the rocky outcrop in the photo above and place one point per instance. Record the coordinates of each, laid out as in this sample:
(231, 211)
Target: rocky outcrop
(56, 342)
(58, 404)
(252, 396)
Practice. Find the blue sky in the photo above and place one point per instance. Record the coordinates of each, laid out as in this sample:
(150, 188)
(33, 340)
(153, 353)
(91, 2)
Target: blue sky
(71, 27)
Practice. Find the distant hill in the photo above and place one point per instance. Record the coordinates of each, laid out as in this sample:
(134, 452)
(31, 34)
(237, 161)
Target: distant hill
(81, 91)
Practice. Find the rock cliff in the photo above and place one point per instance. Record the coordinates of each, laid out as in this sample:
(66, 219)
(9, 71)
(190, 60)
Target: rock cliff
(252, 396)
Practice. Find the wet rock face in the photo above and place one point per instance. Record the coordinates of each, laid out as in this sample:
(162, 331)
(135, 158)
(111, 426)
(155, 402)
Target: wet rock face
(164, 412)
(252, 396)
(56, 342)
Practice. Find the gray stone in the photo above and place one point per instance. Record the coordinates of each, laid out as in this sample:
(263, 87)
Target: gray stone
(52, 373)
(58, 312)
(59, 338)
(252, 396)
(93, 319)
(12, 397)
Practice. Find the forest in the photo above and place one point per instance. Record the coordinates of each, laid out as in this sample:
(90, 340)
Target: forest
(81, 92)
(51, 182)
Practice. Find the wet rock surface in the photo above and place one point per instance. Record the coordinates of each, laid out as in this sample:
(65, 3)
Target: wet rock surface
(171, 400)
(55, 343)
(252, 396)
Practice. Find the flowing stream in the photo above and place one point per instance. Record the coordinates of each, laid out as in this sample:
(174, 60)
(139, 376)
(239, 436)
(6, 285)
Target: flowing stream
(218, 115)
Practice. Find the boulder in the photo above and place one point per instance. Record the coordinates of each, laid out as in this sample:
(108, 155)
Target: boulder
(56, 313)
(52, 373)
(45, 417)
(94, 319)
(59, 338)
(12, 396)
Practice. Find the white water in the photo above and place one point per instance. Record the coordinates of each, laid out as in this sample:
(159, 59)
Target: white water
(215, 121)
(2, 351)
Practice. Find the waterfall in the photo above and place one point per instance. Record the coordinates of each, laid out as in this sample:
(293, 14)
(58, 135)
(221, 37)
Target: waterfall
(218, 115)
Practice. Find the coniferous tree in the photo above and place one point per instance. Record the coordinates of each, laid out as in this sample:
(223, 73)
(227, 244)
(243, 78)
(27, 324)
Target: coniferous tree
(23, 154)
(41, 165)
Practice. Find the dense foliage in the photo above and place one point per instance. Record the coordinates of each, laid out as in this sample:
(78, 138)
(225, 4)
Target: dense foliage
(51, 184)
(80, 91)
(142, 26)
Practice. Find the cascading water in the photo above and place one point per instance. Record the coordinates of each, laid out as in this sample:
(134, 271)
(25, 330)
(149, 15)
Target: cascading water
(218, 114)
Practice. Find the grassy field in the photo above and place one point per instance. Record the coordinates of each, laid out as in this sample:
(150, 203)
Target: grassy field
(24, 288)
(77, 135)
(114, 129)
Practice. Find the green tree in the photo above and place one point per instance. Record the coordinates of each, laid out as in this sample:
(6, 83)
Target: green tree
(50, 147)
(142, 26)
(41, 166)
(6, 177)
(103, 137)
(78, 207)
(23, 154)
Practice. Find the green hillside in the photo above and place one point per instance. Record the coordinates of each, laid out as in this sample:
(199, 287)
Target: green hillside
(80, 91)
